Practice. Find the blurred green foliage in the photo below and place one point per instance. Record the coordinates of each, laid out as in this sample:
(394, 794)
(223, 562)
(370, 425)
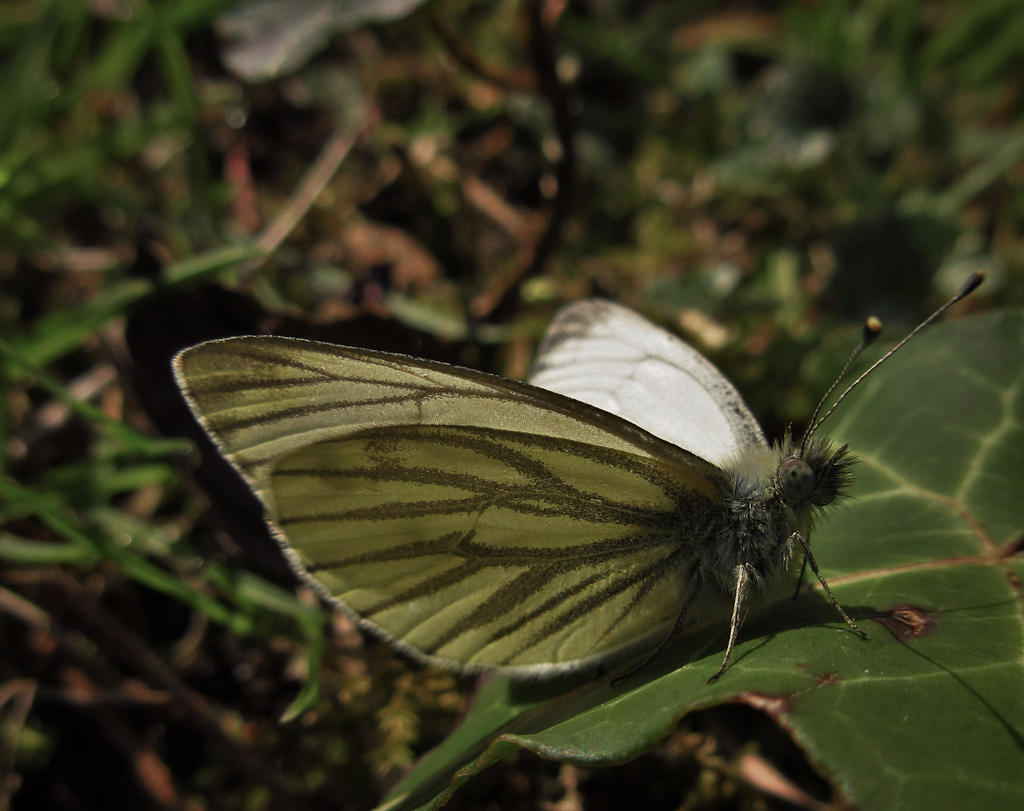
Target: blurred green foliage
(758, 176)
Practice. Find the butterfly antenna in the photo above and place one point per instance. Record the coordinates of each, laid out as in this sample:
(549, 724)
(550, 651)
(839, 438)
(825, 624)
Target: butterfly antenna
(969, 287)
(872, 329)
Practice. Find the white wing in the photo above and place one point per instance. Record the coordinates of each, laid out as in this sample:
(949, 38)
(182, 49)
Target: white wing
(610, 357)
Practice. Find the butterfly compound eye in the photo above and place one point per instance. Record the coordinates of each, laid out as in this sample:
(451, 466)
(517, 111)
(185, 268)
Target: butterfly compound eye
(797, 480)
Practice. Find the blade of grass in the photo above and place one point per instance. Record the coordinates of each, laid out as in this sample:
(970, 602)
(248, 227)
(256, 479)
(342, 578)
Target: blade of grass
(24, 72)
(132, 439)
(128, 562)
(15, 549)
(60, 333)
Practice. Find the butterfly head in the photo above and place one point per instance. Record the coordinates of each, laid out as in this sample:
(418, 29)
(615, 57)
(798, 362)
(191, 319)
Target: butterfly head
(817, 476)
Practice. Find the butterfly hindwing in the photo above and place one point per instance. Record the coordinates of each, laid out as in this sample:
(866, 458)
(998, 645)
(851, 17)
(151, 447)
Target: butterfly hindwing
(492, 548)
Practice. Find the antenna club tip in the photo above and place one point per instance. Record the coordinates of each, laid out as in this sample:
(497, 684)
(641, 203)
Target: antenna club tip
(972, 284)
(872, 328)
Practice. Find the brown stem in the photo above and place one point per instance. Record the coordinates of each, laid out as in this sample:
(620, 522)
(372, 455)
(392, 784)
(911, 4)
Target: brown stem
(495, 303)
(124, 645)
(517, 80)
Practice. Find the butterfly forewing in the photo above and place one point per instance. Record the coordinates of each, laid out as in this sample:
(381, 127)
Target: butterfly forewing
(474, 520)
(262, 397)
(603, 354)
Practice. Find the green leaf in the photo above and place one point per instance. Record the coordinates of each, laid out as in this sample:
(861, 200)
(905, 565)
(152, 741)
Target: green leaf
(927, 712)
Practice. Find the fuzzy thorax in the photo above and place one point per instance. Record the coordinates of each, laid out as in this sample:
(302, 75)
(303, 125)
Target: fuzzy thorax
(772, 493)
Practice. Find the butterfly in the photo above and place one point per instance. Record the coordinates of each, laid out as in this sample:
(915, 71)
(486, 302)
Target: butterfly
(623, 494)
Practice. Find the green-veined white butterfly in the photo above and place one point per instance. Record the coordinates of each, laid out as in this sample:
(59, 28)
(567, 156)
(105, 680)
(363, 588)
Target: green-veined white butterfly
(478, 522)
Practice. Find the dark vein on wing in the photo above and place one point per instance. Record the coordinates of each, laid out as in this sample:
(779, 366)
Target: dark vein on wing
(461, 544)
(504, 601)
(543, 494)
(474, 386)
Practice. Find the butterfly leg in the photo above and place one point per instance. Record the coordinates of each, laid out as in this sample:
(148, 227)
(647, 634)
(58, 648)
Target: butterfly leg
(800, 580)
(809, 558)
(742, 578)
